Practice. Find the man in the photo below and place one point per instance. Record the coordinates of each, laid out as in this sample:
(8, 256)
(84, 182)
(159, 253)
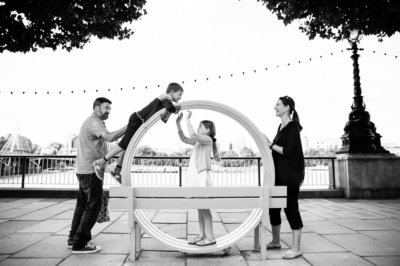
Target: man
(93, 137)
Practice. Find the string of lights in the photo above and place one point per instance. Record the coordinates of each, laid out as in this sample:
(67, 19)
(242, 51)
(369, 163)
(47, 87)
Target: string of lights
(213, 77)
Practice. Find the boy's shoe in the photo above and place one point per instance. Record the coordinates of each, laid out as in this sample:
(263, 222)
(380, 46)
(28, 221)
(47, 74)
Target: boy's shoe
(116, 174)
(99, 170)
(87, 249)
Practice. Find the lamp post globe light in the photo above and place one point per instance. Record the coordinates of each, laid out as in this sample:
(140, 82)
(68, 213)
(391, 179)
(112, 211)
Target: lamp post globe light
(360, 133)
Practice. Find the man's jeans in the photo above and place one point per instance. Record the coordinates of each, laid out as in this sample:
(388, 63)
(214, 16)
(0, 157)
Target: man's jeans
(88, 207)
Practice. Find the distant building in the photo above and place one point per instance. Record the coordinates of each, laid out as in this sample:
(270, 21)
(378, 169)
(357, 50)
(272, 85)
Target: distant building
(238, 143)
(328, 143)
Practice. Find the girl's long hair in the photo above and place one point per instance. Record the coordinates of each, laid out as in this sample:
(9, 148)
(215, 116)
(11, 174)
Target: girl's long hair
(212, 131)
(286, 100)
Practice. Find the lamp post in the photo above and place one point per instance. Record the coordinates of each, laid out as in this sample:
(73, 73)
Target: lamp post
(360, 133)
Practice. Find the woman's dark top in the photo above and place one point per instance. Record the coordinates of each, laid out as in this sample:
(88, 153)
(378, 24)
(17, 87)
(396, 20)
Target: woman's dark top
(289, 166)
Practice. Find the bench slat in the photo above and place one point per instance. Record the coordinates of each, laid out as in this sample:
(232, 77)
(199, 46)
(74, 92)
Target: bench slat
(237, 203)
(118, 203)
(277, 203)
(120, 192)
(279, 191)
(214, 192)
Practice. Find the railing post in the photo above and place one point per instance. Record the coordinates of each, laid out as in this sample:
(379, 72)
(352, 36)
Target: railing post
(180, 172)
(23, 172)
(259, 171)
(331, 172)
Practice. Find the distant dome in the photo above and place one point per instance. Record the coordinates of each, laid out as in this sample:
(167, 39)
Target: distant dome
(17, 144)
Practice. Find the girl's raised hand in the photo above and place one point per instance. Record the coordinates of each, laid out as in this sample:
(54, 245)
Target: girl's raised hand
(179, 118)
(189, 114)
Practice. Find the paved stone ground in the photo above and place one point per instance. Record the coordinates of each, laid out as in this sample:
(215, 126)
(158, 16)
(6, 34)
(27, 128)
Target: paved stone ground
(336, 232)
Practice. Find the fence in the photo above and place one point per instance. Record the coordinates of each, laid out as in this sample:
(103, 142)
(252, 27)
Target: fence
(59, 171)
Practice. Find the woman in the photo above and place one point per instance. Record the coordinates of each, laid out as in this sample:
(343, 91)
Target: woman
(287, 153)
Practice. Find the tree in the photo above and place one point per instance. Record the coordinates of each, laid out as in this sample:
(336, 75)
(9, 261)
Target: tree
(145, 151)
(247, 152)
(28, 25)
(333, 19)
(3, 141)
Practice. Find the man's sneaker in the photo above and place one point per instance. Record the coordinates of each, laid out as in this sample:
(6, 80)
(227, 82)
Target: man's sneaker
(87, 249)
(70, 243)
(116, 174)
(99, 170)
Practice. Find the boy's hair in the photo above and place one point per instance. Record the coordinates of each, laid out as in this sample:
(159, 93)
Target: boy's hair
(212, 132)
(100, 100)
(174, 87)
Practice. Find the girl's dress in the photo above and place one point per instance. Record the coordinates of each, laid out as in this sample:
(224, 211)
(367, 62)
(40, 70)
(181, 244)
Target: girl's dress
(195, 179)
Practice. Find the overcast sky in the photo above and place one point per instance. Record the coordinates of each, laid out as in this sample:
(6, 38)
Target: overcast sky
(194, 40)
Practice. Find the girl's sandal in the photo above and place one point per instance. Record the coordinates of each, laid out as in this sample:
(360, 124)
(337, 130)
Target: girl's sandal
(206, 242)
(195, 240)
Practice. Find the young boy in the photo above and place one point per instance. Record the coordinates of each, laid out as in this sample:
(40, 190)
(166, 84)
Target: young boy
(173, 94)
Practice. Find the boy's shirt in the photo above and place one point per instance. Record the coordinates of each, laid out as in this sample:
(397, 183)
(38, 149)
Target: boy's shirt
(163, 101)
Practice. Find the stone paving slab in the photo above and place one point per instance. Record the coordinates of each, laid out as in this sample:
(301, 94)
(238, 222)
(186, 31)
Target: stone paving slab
(3, 257)
(391, 237)
(233, 217)
(120, 226)
(233, 210)
(361, 205)
(13, 243)
(30, 262)
(2, 221)
(311, 207)
(219, 228)
(311, 242)
(384, 205)
(173, 218)
(66, 215)
(27, 200)
(169, 258)
(362, 245)
(153, 245)
(336, 259)
(306, 216)
(4, 206)
(97, 259)
(193, 216)
(329, 214)
(155, 263)
(37, 205)
(205, 259)
(336, 207)
(14, 213)
(10, 227)
(113, 243)
(48, 226)
(358, 224)
(38, 215)
(326, 227)
(50, 247)
(388, 223)
(173, 210)
(175, 230)
(384, 261)
(60, 206)
(280, 262)
(386, 212)
(363, 214)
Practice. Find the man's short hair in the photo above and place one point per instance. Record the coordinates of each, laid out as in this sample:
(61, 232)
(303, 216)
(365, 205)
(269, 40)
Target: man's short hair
(174, 87)
(100, 100)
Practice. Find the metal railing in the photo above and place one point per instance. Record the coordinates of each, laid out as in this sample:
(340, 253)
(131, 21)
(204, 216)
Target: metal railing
(59, 171)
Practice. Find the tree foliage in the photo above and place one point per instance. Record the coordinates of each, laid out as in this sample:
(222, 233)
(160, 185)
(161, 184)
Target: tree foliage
(26, 25)
(333, 19)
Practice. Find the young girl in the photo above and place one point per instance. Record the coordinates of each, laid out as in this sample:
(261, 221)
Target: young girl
(173, 94)
(198, 174)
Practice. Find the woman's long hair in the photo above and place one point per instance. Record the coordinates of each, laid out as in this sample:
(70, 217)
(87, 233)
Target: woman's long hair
(288, 101)
(212, 131)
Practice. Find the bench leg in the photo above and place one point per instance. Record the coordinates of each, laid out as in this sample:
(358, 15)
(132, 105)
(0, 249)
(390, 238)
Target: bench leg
(132, 249)
(138, 235)
(257, 238)
(263, 246)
